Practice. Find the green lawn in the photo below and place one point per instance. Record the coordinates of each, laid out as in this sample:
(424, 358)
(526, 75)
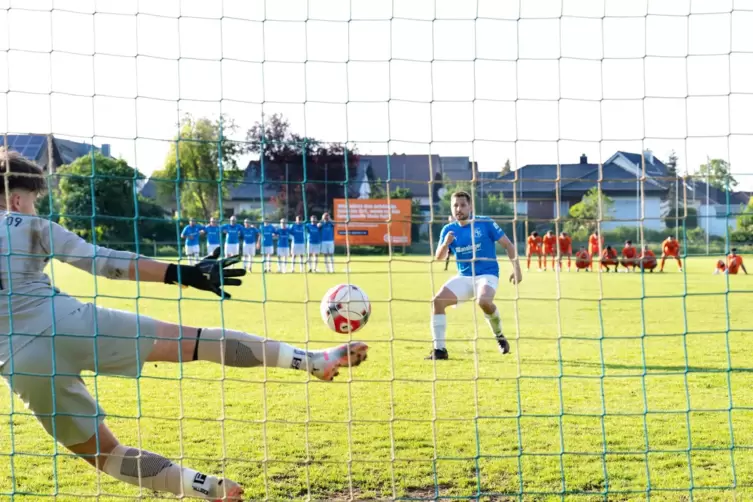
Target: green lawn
(617, 383)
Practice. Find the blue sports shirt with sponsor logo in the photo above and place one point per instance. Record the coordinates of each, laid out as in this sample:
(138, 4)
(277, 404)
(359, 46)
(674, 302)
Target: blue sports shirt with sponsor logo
(283, 237)
(233, 232)
(476, 240)
(267, 235)
(315, 236)
(213, 235)
(328, 231)
(298, 232)
(191, 234)
(250, 234)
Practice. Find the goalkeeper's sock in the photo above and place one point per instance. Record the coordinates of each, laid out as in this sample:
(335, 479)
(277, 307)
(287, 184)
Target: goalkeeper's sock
(495, 322)
(243, 350)
(438, 330)
(155, 472)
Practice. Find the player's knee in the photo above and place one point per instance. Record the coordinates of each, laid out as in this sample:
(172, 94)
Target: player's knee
(440, 303)
(486, 304)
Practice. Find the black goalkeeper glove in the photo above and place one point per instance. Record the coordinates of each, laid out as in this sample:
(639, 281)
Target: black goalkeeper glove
(208, 275)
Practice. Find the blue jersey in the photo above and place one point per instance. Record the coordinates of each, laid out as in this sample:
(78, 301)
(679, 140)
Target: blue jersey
(298, 231)
(327, 231)
(213, 235)
(191, 234)
(480, 235)
(233, 232)
(267, 235)
(315, 237)
(250, 235)
(283, 237)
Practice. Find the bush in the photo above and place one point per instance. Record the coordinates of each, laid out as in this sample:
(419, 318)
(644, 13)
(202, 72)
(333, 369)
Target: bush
(167, 251)
(676, 216)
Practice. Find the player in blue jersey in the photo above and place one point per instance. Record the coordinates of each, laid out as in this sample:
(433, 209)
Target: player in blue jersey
(298, 233)
(214, 235)
(315, 243)
(233, 232)
(473, 242)
(267, 244)
(327, 231)
(191, 234)
(250, 244)
(283, 246)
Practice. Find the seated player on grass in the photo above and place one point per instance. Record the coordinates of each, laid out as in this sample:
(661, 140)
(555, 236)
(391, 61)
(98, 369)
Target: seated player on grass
(609, 257)
(550, 247)
(733, 265)
(629, 256)
(473, 240)
(534, 248)
(647, 260)
(583, 260)
(48, 338)
(566, 248)
(670, 249)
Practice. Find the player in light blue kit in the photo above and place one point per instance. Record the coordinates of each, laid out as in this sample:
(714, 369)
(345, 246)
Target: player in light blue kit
(250, 244)
(267, 244)
(315, 243)
(473, 242)
(213, 233)
(191, 234)
(233, 232)
(283, 246)
(327, 231)
(298, 233)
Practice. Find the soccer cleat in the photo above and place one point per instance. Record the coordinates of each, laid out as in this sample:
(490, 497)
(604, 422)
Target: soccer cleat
(232, 492)
(325, 364)
(504, 345)
(438, 355)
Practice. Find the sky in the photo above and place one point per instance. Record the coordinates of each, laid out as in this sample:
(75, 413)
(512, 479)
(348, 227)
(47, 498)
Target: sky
(533, 81)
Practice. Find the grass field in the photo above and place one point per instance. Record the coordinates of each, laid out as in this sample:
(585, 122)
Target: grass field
(617, 383)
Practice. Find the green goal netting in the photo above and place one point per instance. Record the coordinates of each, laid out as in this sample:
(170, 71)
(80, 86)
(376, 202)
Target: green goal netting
(630, 119)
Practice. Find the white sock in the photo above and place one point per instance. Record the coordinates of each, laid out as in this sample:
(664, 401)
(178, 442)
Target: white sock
(155, 472)
(438, 329)
(495, 322)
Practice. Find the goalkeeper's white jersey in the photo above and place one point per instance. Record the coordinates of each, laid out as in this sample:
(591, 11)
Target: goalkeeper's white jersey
(29, 304)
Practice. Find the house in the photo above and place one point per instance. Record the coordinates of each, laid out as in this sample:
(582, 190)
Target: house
(717, 209)
(421, 174)
(545, 192)
(48, 151)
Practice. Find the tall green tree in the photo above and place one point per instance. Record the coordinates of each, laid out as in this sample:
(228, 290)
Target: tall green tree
(506, 169)
(289, 158)
(201, 167)
(97, 198)
(585, 215)
(718, 174)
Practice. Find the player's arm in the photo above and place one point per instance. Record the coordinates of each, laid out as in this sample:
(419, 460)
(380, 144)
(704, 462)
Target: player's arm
(445, 240)
(512, 254)
(69, 248)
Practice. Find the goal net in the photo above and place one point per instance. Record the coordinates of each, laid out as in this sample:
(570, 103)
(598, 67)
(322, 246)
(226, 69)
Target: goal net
(604, 120)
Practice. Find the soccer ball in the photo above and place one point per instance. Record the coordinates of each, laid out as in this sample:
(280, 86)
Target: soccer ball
(345, 308)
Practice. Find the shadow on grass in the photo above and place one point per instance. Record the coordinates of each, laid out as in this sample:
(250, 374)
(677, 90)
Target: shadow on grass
(648, 368)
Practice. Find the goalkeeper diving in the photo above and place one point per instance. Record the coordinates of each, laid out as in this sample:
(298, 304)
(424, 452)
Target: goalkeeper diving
(473, 240)
(47, 338)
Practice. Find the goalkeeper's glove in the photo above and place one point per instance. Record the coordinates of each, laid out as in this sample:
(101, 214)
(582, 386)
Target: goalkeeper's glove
(208, 275)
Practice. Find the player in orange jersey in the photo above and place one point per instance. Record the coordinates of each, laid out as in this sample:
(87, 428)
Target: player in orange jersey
(595, 245)
(670, 248)
(629, 256)
(609, 257)
(550, 247)
(582, 260)
(534, 248)
(566, 248)
(733, 265)
(647, 260)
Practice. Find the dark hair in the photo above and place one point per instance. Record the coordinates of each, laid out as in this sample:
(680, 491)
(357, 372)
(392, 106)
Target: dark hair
(462, 193)
(630, 243)
(535, 234)
(19, 173)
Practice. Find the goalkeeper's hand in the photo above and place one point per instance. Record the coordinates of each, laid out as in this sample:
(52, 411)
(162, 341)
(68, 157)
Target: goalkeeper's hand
(208, 275)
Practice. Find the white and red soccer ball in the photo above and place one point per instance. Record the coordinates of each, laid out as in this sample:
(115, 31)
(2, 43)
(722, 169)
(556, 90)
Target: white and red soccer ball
(345, 308)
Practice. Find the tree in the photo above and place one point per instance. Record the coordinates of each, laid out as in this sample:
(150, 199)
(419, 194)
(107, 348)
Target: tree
(288, 158)
(584, 215)
(506, 169)
(202, 165)
(717, 173)
(676, 217)
(98, 199)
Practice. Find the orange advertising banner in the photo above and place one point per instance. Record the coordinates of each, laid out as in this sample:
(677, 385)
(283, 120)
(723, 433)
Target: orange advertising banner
(372, 222)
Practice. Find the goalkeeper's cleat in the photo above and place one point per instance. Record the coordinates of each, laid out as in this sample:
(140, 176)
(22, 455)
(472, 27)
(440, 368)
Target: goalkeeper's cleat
(231, 491)
(504, 345)
(438, 355)
(325, 364)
